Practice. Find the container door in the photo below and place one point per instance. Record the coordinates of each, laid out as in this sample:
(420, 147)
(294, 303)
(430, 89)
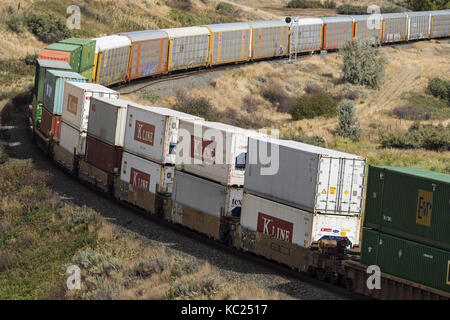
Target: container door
(327, 186)
(352, 186)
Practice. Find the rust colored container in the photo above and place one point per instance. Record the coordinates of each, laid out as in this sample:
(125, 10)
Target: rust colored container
(50, 124)
(103, 156)
(55, 55)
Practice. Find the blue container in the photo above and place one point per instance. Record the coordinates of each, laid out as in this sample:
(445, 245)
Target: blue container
(54, 89)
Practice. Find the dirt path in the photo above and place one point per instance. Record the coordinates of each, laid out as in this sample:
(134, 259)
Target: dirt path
(256, 11)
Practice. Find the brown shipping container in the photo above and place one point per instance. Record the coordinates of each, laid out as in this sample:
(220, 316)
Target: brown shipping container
(103, 156)
(50, 124)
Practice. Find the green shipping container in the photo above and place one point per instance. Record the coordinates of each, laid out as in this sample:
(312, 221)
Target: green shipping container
(88, 73)
(87, 51)
(75, 53)
(42, 66)
(409, 203)
(407, 259)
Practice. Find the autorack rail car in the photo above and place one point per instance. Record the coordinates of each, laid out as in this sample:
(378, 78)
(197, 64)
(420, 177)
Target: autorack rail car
(244, 214)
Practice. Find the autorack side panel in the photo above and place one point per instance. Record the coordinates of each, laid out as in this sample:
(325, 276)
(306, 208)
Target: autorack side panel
(269, 38)
(395, 27)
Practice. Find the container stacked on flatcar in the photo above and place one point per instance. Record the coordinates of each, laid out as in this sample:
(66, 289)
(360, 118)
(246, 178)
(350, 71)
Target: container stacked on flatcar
(74, 120)
(303, 195)
(104, 143)
(213, 165)
(86, 66)
(407, 223)
(55, 80)
(147, 170)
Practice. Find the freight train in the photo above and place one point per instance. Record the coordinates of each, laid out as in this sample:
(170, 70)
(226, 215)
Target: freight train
(301, 206)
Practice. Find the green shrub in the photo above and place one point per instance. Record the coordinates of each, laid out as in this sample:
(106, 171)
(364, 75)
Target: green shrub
(351, 9)
(15, 23)
(348, 126)
(439, 88)
(425, 5)
(278, 96)
(428, 136)
(200, 107)
(47, 28)
(363, 64)
(225, 8)
(303, 4)
(310, 106)
(301, 136)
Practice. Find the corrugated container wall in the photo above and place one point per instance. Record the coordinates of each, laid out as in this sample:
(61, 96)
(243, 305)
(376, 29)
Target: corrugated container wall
(294, 225)
(54, 88)
(269, 38)
(56, 56)
(107, 120)
(309, 35)
(206, 196)
(75, 53)
(77, 98)
(148, 55)
(419, 25)
(395, 27)
(216, 151)
(408, 260)
(369, 28)
(72, 140)
(338, 32)
(152, 132)
(230, 42)
(310, 178)
(188, 48)
(50, 124)
(87, 51)
(111, 59)
(409, 203)
(440, 23)
(103, 156)
(145, 174)
(41, 69)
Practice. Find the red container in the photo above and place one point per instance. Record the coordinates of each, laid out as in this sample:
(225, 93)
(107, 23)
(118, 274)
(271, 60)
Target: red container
(103, 156)
(55, 55)
(50, 124)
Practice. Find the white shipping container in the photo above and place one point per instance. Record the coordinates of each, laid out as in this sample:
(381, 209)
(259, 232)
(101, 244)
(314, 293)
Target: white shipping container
(216, 151)
(206, 196)
(152, 132)
(307, 177)
(107, 120)
(72, 140)
(77, 100)
(146, 174)
(295, 225)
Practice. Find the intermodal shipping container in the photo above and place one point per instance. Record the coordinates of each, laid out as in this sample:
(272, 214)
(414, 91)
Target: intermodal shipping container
(213, 150)
(37, 113)
(107, 120)
(230, 42)
(206, 196)
(87, 51)
(54, 88)
(41, 69)
(152, 132)
(72, 140)
(337, 32)
(419, 25)
(269, 38)
(409, 203)
(440, 23)
(148, 55)
(55, 55)
(50, 124)
(103, 156)
(111, 59)
(369, 28)
(147, 175)
(294, 225)
(306, 35)
(74, 50)
(310, 178)
(77, 100)
(188, 47)
(88, 73)
(395, 27)
(407, 259)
